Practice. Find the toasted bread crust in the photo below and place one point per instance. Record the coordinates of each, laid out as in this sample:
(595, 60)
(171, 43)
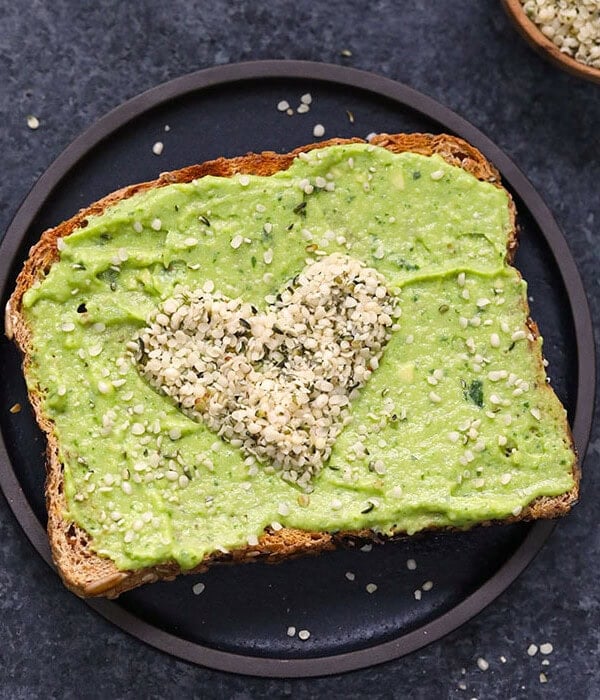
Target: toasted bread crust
(87, 574)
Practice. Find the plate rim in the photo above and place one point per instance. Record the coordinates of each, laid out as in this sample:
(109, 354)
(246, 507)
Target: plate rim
(447, 120)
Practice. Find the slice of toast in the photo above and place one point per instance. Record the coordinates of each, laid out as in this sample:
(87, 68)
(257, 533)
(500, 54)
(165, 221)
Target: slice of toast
(82, 570)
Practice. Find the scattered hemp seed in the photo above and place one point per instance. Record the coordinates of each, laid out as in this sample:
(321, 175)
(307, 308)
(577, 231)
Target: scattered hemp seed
(291, 631)
(350, 575)
(371, 587)
(346, 53)
(198, 588)
(33, 122)
(546, 648)
(157, 149)
(532, 649)
(283, 106)
(411, 564)
(318, 130)
(482, 664)
(303, 635)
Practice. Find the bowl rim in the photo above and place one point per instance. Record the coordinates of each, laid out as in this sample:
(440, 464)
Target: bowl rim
(546, 47)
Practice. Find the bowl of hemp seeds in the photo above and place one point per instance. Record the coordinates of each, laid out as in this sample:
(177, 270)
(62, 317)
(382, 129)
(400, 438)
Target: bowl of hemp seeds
(566, 32)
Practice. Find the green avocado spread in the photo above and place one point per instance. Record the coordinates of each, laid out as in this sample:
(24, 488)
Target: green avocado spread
(454, 427)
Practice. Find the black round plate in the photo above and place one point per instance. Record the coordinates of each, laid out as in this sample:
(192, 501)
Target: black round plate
(239, 622)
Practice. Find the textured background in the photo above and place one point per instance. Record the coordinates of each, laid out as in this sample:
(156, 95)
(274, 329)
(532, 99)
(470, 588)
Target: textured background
(69, 62)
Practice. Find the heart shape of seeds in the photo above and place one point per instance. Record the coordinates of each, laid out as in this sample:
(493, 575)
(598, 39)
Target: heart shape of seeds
(277, 384)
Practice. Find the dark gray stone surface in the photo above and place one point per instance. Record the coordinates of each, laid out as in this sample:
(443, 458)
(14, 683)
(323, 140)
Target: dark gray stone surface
(69, 62)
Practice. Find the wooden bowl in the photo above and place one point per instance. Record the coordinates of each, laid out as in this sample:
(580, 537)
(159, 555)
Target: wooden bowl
(544, 46)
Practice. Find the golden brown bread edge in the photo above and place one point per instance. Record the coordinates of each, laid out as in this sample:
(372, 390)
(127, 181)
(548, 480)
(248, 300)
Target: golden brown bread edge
(83, 571)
